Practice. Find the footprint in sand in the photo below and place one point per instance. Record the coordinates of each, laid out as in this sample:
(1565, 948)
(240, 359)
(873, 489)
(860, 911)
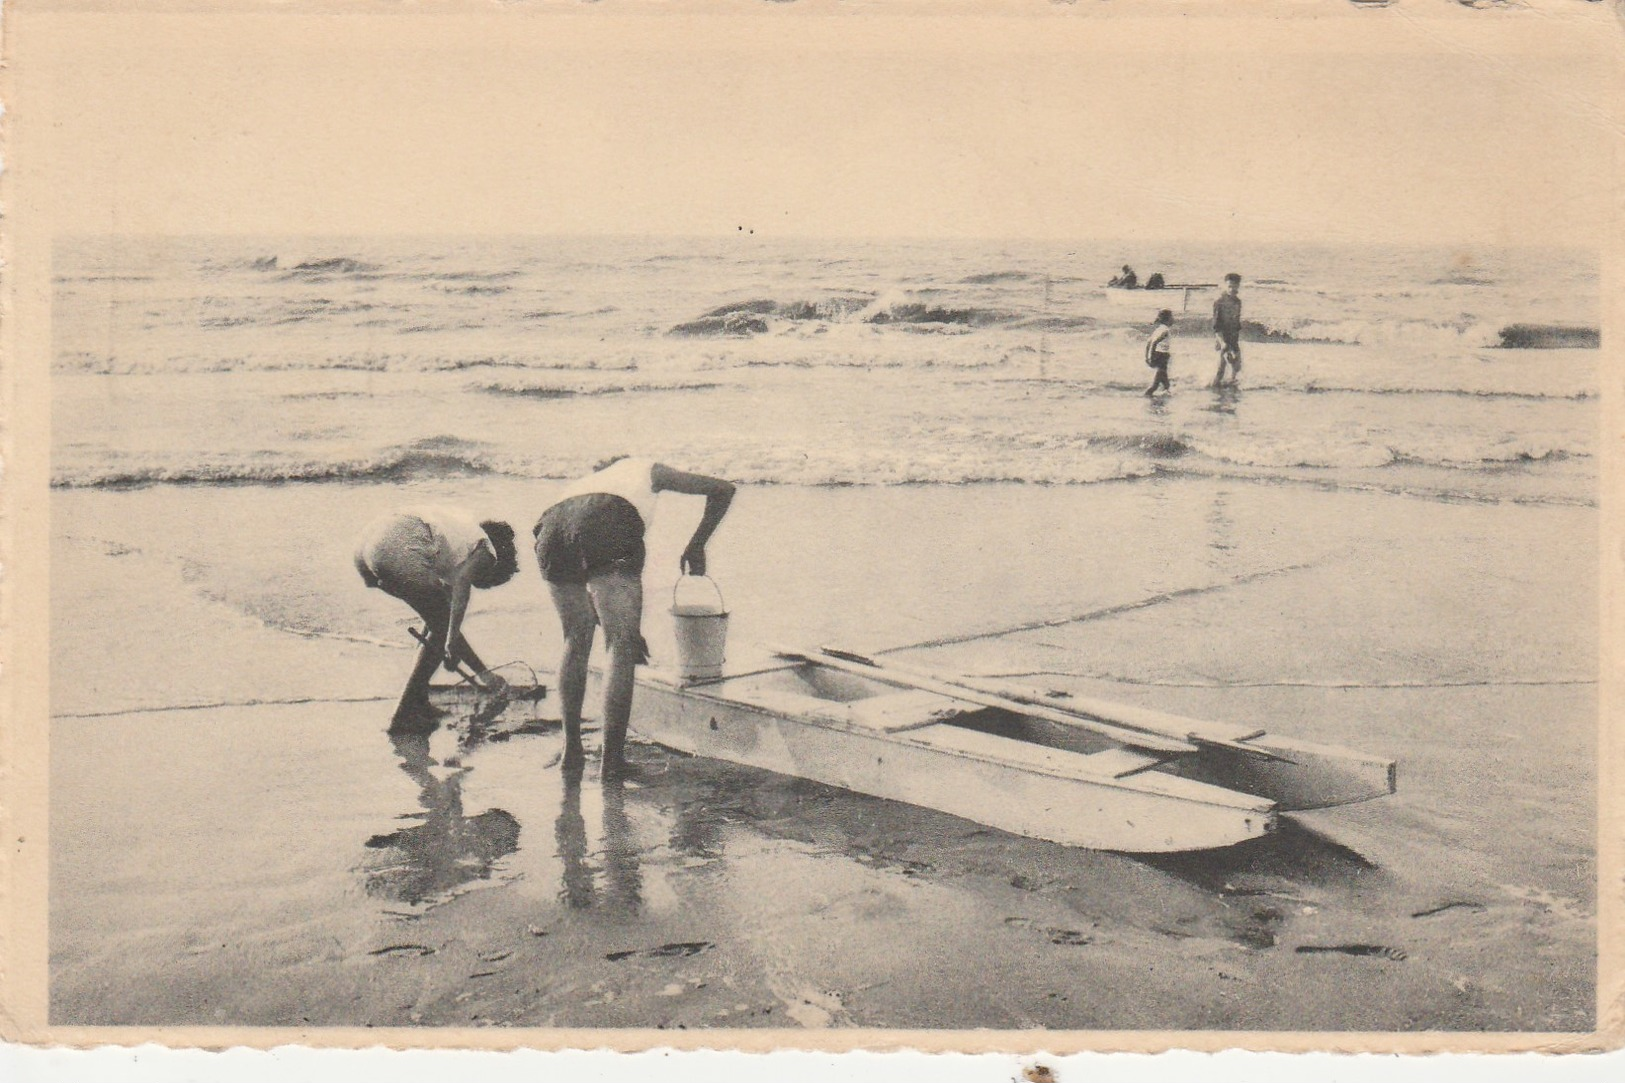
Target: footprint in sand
(1056, 936)
(1372, 950)
(679, 950)
(1454, 904)
(403, 949)
(1068, 936)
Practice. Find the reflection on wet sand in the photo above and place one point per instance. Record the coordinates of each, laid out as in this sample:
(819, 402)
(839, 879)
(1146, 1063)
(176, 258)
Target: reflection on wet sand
(429, 861)
(622, 890)
(698, 804)
(1224, 401)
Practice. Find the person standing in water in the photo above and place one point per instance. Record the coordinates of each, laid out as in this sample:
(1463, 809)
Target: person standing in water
(590, 546)
(1158, 352)
(1128, 280)
(1227, 330)
(431, 558)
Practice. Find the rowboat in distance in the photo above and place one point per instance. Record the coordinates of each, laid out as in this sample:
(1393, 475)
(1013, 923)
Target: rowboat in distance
(1175, 295)
(1045, 765)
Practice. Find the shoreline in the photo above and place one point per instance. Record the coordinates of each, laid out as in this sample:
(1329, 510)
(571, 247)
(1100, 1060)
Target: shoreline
(193, 846)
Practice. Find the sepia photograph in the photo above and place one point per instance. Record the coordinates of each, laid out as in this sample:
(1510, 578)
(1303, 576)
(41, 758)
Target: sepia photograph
(559, 532)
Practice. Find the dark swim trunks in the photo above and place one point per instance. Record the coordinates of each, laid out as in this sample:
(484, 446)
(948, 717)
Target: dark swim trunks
(587, 536)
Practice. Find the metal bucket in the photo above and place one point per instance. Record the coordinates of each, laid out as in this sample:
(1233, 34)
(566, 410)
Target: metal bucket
(702, 632)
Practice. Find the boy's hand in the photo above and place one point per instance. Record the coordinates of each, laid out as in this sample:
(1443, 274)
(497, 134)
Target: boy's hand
(693, 560)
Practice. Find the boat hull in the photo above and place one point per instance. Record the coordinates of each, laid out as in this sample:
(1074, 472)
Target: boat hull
(1057, 795)
(1177, 298)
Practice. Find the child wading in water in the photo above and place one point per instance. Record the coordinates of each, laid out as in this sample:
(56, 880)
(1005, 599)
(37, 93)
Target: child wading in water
(1157, 350)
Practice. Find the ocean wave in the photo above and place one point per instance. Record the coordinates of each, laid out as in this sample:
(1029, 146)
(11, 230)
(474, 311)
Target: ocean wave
(1055, 323)
(1313, 387)
(1155, 445)
(331, 266)
(1462, 278)
(1427, 334)
(399, 465)
(104, 278)
(93, 364)
(1549, 336)
(992, 277)
(1480, 459)
(914, 312)
(531, 390)
(459, 276)
(743, 319)
(475, 289)
(1096, 459)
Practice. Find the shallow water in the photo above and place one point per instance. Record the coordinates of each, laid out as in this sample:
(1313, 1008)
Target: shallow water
(240, 360)
(1385, 539)
(370, 881)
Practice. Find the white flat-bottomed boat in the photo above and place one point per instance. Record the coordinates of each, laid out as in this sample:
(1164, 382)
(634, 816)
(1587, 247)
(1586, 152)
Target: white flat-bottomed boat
(1042, 764)
(1176, 296)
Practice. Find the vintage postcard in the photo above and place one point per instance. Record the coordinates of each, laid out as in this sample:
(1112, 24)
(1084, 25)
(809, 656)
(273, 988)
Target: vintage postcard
(813, 526)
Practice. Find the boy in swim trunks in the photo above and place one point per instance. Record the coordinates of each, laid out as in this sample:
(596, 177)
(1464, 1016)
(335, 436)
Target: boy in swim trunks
(1227, 330)
(590, 545)
(431, 558)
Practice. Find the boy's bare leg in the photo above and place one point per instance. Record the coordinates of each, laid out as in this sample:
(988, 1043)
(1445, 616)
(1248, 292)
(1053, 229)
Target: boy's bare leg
(414, 707)
(578, 619)
(618, 599)
(414, 710)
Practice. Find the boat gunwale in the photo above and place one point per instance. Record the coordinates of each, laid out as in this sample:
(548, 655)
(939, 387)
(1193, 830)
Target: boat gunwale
(1242, 801)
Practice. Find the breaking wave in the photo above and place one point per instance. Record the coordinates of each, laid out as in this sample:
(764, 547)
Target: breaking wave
(114, 365)
(435, 456)
(953, 457)
(531, 390)
(991, 277)
(1415, 333)
(1550, 336)
(756, 317)
(330, 267)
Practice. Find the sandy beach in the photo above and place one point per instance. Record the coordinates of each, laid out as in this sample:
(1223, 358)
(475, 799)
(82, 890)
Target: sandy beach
(235, 839)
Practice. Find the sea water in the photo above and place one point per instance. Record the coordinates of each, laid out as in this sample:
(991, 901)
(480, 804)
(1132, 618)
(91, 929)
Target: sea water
(1384, 539)
(1443, 373)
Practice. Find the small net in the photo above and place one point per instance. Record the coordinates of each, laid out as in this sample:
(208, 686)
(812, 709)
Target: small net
(520, 705)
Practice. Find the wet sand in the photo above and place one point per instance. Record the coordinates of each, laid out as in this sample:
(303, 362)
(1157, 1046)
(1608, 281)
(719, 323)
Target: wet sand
(236, 840)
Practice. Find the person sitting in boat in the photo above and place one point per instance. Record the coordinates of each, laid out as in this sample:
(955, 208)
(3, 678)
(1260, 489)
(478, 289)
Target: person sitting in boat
(1156, 281)
(431, 558)
(590, 546)
(1128, 280)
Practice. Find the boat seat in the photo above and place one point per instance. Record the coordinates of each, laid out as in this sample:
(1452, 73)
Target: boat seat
(1111, 763)
(1122, 762)
(897, 711)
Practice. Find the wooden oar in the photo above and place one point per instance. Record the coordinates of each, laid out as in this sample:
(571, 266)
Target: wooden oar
(891, 675)
(1118, 716)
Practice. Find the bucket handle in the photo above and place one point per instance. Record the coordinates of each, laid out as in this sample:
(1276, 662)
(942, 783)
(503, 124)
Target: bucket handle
(721, 602)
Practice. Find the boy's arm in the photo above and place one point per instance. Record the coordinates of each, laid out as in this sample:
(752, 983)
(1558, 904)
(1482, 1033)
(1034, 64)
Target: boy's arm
(461, 586)
(718, 495)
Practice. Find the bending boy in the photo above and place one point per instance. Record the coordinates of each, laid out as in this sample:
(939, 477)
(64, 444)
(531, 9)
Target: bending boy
(590, 546)
(431, 558)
